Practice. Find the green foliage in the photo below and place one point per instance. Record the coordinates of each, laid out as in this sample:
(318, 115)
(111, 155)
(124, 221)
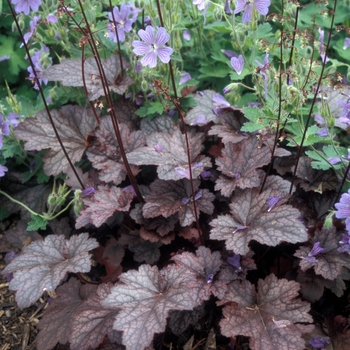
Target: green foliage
(320, 158)
(37, 223)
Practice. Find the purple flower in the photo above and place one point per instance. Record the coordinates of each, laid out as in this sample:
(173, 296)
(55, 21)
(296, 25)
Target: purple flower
(25, 5)
(237, 64)
(334, 160)
(239, 228)
(2, 170)
(153, 46)
(345, 115)
(13, 119)
(346, 43)
(32, 25)
(205, 174)
(344, 244)
(131, 189)
(202, 5)
(343, 206)
(185, 172)
(247, 6)
(322, 132)
(186, 35)
(235, 261)
(229, 53)
(228, 8)
(135, 11)
(88, 191)
(272, 201)
(262, 71)
(4, 129)
(158, 148)
(200, 120)
(210, 278)
(122, 21)
(4, 58)
(37, 59)
(51, 18)
(236, 175)
(148, 21)
(325, 59)
(184, 78)
(197, 196)
(316, 249)
(319, 119)
(319, 342)
(220, 103)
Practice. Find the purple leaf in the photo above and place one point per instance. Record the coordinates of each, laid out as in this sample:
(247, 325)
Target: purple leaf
(172, 162)
(204, 108)
(73, 125)
(42, 265)
(243, 158)
(69, 73)
(328, 261)
(270, 315)
(105, 202)
(166, 199)
(91, 321)
(248, 208)
(105, 154)
(146, 251)
(145, 298)
(180, 320)
(55, 325)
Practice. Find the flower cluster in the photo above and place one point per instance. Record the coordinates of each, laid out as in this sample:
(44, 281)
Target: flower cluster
(41, 60)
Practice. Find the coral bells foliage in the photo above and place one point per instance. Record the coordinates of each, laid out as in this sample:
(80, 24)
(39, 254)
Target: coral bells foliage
(194, 215)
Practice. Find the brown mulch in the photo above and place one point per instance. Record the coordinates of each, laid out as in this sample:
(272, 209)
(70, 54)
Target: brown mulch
(17, 327)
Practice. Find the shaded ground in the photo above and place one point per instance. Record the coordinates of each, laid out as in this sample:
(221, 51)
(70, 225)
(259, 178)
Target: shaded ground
(17, 326)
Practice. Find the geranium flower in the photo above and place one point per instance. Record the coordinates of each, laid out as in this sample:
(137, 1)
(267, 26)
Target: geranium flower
(343, 206)
(4, 129)
(262, 6)
(262, 71)
(344, 244)
(152, 46)
(3, 169)
(184, 78)
(316, 249)
(32, 25)
(237, 64)
(123, 21)
(25, 5)
(346, 43)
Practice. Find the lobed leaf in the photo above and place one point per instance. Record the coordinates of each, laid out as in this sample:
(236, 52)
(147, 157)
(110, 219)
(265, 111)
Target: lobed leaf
(73, 124)
(269, 316)
(42, 265)
(103, 204)
(69, 73)
(169, 197)
(251, 220)
(145, 298)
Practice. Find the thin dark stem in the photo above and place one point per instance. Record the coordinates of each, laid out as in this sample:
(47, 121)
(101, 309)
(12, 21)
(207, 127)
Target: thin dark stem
(279, 108)
(315, 96)
(118, 42)
(293, 39)
(160, 13)
(84, 83)
(111, 107)
(43, 96)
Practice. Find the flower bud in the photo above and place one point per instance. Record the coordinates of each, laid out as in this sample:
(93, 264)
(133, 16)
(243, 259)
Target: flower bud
(144, 85)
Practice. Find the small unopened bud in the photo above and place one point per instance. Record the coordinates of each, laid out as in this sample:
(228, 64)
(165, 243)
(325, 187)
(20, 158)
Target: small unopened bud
(144, 85)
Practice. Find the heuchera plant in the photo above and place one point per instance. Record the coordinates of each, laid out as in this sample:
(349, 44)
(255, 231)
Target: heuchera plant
(201, 147)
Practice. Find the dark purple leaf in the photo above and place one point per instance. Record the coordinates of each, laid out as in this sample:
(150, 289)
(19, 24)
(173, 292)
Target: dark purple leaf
(42, 265)
(73, 124)
(270, 316)
(242, 158)
(162, 123)
(55, 324)
(105, 154)
(103, 204)
(91, 321)
(172, 162)
(251, 220)
(145, 298)
(166, 199)
(146, 251)
(154, 236)
(328, 263)
(204, 108)
(205, 265)
(69, 73)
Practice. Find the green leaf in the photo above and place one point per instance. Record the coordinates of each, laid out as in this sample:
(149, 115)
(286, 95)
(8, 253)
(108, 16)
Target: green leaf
(219, 27)
(10, 148)
(150, 109)
(310, 138)
(257, 119)
(37, 223)
(264, 31)
(320, 159)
